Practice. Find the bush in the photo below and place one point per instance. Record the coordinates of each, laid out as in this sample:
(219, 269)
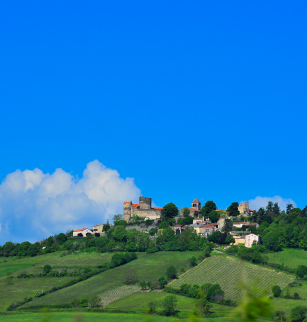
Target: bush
(192, 261)
(171, 272)
(143, 285)
(94, 301)
(75, 302)
(169, 305)
(152, 307)
(162, 282)
(84, 302)
(47, 269)
(276, 290)
(296, 296)
(298, 313)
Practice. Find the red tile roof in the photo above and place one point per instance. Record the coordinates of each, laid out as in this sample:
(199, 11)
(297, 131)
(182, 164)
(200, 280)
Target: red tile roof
(195, 209)
(80, 229)
(178, 226)
(210, 225)
(157, 208)
(135, 205)
(126, 201)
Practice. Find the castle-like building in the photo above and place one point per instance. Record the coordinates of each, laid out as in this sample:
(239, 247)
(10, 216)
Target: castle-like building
(143, 209)
(194, 209)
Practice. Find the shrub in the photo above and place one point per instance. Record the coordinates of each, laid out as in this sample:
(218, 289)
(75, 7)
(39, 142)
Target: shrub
(192, 261)
(169, 305)
(301, 271)
(171, 272)
(47, 269)
(84, 302)
(143, 285)
(162, 282)
(276, 290)
(298, 313)
(150, 285)
(182, 269)
(75, 302)
(152, 307)
(296, 296)
(94, 301)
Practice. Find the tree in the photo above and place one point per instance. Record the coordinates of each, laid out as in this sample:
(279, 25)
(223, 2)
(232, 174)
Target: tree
(130, 277)
(296, 296)
(214, 216)
(227, 228)
(106, 227)
(298, 313)
(281, 316)
(276, 290)
(186, 212)
(162, 281)
(233, 209)
(301, 271)
(143, 285)
(152, 307)
(276, 209)
(289, 208)
(208, 207)
(229, 239)
(153, 231)
(120, 233)
(94, 301)
(269, 207)
(163, 225)
(117, 217)
(61, 238)
(171, 272)
(169, 304)
(47, 269)
(215, 237)
(192, 261)
(170, 210)
(84, 302)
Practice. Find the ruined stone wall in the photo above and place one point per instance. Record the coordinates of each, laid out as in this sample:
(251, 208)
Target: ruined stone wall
(150, 213)
(244, 208)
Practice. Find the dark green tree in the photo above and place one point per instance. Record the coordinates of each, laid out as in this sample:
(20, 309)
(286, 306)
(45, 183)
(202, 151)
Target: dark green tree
(301, 271)
(227, 228)
(276, 209)
(215, 237)
(106, 227)
(170, 210)
(162, 282)
(47, 269)
(169, 305)
(120, 233)
(289, 208)
(214, 216)
(186, 212)
(192, 261)
(171, 272)
(276, 290)
(298, 313)
(152, 307)
(61, 238)
(233, 210)
(229, 239)
(208, 207)
(269, 207)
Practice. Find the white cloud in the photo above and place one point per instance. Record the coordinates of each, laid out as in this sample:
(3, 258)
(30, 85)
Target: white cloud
(34, 205)
(263, 202)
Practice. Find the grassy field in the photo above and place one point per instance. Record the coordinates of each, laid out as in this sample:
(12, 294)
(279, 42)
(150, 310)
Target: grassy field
(82, 317)
(290, 257)
(138, 302)
(230, 273)
(147, 267)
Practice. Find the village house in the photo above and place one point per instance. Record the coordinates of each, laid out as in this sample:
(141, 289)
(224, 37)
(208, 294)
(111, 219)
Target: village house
(143, 210)
(97, 229)
(82, 232)
(246, 240)
(194, 209)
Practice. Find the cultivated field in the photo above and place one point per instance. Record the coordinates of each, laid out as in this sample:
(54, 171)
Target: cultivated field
(147, 267)
(232, 274)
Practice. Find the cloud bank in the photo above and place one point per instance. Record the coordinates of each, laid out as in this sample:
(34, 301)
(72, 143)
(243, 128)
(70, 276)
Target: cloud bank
(263, 202)
(34, 205)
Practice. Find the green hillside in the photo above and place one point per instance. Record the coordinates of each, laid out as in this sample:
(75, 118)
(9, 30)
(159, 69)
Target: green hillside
(290, 257)
(231, 273)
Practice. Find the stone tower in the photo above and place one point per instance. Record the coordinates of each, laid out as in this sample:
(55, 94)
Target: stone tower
(196, 204)
(145, 203)
(127, 210)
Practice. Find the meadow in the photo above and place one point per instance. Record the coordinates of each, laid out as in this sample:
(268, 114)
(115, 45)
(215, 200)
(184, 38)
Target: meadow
(232, 274)
(291, 257)
(147, 267)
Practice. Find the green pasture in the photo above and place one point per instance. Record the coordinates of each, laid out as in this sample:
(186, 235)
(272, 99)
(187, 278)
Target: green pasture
(147, 267)
(138, 302)
(291, 257)
(233, 274)
(22, 287)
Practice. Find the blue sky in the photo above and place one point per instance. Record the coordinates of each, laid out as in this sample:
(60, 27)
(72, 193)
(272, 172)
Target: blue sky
(204, 99)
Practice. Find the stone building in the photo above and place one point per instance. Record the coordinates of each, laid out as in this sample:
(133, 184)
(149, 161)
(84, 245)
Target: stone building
(244, 208)
(143, 209)
(194, 209)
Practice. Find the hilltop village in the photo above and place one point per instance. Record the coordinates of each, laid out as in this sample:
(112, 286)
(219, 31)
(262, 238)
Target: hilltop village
(146, 218)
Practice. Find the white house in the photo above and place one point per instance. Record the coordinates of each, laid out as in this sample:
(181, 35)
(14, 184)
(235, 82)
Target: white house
(82, 232)
(249, 239)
